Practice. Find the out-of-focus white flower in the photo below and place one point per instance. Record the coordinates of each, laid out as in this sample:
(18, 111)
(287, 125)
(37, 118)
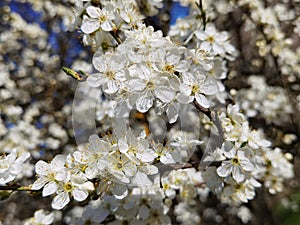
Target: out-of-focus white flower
(40, 218)
(11, 166)
(278, 169)
(187, 214)
(244, 214)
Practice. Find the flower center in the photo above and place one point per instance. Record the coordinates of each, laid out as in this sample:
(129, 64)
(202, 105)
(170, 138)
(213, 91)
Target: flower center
(235, 161)
(119, 166)
(68, 187)
(195, 89)
(110, 75)
(210, 39)
(150, 85)
(169, 68)
(102, 18)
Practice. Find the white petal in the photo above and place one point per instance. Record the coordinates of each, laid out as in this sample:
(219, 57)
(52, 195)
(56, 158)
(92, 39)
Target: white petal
(49, 189)
(61, 174)
(165, 94)
(209, 89)
(172, 113)
(184, 99)
(202, 100)
(141, 179)
(23, 157)
(218, 49)
(223, 170)
(102, 163)
(144, 103)
(246, 164)
(264, 143)
(110, 87)
(185, 89)
(94, 142)
(42, 168)
(200, 35)
(39, 183)
(136, 84)
(58, 162)
(60, 201)
(96, 80)
(182, 66)
(210, 30)
(150, 170)
(130, 169)
(188, 78)
(238, 174)
(93, 11)
(173, 59)
(100, 62)
(91, 171)
(145, 156)
(107, 26)
(79, 195)
(171, 193)
(89, 26)
(167, 159)
(123, 146)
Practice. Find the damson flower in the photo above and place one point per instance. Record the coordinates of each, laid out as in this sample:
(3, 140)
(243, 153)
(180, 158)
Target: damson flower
(277, 169)
(129, 12)
(120, 166)
(147, 86)
(111, 72)
(146, 38)
(182, 29)
(195, 87)
(98, 18)
(238, 163)
(50, 175)
(94, 156)
(215, 42)
(75, 186)
(240, 192)
(235, 125)
(234, 114)
(136, 148)
(170, 61)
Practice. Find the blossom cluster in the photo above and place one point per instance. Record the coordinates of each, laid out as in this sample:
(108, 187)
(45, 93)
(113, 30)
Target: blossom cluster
(268, 102)
(247, 159)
